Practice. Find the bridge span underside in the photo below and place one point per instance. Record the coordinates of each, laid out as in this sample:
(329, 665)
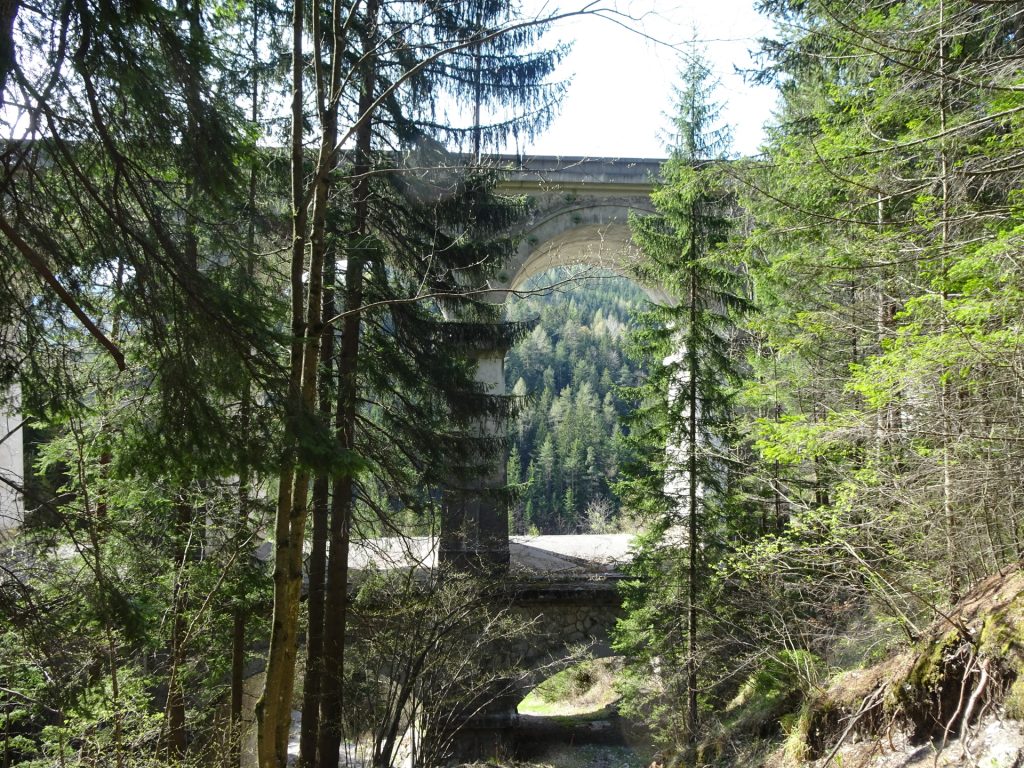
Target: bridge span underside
(562, 589)
(581, 209)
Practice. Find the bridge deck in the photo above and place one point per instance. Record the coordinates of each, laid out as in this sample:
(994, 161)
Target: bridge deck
(569, 555)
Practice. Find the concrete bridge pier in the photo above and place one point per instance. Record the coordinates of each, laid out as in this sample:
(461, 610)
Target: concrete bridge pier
(474, 525)
(12, 461)
(474, 536)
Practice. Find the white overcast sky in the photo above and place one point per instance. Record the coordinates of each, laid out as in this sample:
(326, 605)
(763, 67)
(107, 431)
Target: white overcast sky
(622, 82)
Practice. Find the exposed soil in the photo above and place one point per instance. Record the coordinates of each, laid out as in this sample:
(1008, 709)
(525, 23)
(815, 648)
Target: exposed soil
(954, 699)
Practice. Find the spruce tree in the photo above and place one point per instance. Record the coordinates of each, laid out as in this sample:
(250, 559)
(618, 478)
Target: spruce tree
(399, 216)
(883, 215)
(680, 429)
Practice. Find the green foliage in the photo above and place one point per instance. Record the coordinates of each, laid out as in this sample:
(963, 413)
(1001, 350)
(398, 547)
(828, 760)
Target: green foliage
(682, 477)
(567, 684)
(1015, 699)
(878, 399)
(93, 596)
(568, 371)
(768, 698)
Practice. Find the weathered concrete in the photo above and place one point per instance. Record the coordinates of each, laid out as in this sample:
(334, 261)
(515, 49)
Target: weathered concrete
(580, 218)
(474, 531)
(581, 215)
(12, 462)
(543, 557)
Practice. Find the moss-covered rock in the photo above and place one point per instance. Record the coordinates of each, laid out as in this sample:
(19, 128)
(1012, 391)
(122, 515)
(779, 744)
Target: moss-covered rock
(969, 659)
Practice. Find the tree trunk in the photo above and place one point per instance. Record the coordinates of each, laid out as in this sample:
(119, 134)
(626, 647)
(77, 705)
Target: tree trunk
(273, 711)
(318, 555)
(234, 750)
(948, 512)
(692, 565)
(177, 734)
(329, 747)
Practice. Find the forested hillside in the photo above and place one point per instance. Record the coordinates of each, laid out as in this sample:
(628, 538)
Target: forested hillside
(567, 447)
(848, 396)
(240, 362)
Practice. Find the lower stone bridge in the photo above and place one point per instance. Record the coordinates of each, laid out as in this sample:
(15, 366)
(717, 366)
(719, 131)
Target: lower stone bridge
(564, 588)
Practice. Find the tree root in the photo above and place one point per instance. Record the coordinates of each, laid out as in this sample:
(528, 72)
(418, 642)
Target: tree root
(869, 704)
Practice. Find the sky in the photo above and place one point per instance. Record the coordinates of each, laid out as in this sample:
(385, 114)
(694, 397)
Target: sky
(622, 82)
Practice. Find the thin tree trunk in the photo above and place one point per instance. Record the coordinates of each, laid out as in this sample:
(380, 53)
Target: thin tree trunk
(177, 736)
(273, 711)
(318, 555)
(948, 513)
(692, 566)
(307, 324)
(234, 747)
(234, 750)
(329, 747)
(314, 634)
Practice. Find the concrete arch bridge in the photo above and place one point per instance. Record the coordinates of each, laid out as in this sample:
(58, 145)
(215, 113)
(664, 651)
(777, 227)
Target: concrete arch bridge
(580, 218)
(566, 585)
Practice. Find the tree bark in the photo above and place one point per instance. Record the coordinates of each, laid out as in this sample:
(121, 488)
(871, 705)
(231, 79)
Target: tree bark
(318, 555)
(692, 565)
(329, 746)
(234, 751)
(273, 711)
(177, 735)
(948, 512)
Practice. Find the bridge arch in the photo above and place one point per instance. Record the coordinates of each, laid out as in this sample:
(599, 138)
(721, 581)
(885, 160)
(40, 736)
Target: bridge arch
(581, 218)
(581, 209)
(571, 619)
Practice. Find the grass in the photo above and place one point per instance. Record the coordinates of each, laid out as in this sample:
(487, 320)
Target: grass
(585, 691)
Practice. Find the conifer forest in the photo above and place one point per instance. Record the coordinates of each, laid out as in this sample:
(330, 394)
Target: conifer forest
(247, 258)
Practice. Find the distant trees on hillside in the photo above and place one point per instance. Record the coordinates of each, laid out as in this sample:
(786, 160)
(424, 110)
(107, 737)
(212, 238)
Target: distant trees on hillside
(566, 449)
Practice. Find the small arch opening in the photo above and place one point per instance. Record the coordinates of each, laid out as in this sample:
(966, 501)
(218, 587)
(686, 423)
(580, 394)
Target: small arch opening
(584, 690)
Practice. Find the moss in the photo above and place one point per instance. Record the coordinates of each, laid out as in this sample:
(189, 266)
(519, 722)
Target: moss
(1015, 699)
(927, 670)
(917, 689)
(1002, 634)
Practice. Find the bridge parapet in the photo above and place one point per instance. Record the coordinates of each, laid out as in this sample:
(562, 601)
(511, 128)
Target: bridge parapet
(530, 557)
(532, 174)
(580, 216)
